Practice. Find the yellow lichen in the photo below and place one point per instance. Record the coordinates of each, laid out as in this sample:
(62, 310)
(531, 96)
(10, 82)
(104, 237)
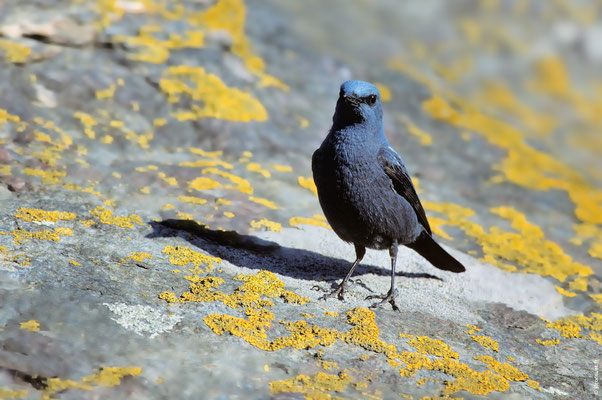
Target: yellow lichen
(106, 93)
(88, 122)
(528, 248)
(31, 326)
(385, 92)
(34, 214)
(255, 167)
(542, 172)
(564, 292)
(182, 255)
(548, 343)
(106, 217)
(48, 177)
(504, 369)
(192, 200)
(282, 168)
(139, 256)
(436, 347)
(75, 263)
(423, 137)
(320, 382)
(267, 224)
(14, 52)
(210, 96)
(22, 235)
(308, 183)
(264, 202)
(486, 342)
(107, 376)
(12, 394)
(316, 219)
(240, 184)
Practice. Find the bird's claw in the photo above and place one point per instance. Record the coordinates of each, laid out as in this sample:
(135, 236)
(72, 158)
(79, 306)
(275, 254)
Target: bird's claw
(388, 298)
(338, 292)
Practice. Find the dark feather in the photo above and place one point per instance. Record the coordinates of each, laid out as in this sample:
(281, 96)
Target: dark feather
(393, 166)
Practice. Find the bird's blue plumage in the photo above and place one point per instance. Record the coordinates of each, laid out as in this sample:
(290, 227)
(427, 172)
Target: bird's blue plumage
(364, 188)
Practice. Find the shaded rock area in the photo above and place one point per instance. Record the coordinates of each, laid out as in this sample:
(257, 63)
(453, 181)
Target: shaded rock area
(160, 236)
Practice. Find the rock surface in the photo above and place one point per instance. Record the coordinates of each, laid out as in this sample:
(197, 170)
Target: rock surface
(159, 234)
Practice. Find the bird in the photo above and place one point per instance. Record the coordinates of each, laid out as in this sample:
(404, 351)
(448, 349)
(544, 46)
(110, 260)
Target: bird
(365, 190)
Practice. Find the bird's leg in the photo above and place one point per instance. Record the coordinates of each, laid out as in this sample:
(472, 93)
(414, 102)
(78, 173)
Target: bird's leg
(360, 251)
(390, 296)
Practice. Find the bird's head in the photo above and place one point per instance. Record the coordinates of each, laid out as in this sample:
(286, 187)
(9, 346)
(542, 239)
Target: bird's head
(359, 102)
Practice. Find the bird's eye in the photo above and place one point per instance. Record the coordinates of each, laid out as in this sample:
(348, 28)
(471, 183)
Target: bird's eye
(372, 99)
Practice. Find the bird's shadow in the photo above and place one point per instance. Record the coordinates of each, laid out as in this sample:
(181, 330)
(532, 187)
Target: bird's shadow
(256, 253)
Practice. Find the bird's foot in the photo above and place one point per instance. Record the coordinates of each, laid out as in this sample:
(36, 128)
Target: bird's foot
(338, 293)
(388, 298)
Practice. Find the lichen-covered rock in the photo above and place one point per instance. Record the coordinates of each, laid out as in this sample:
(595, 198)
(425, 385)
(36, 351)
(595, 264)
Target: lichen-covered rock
(160, 235)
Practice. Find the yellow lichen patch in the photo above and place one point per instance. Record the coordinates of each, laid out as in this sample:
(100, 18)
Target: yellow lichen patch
(327, 365)
(107, 376)
(182, 255)
(206, 163)
(435, 347)
(267, 224)
(240, 184)
(486, 342)
(153, 50)
(217, 100)
(48, 177)
(34, 214)
(203, 183)
(423, 137)
(255, 167)
(504, 369)
(548, 343)
(495, 93)
(528, 248)
(32, 326)
(480, 383)
(170, 180)
(139, 256)
(541, 172)
(111, 376)
(331, 314)
(385, 92)
(210, 154)
(21, 235)
(106, 217)
(75, 263)
(6, 116)
(319, 383)
(88, 122)
(264, 202)
(308, 183)
(14, 52)
(282, 168)
(316, 219)
(578, 284)
(192, 200)
(597, 298)
(229, 15)
(228, 214)
(564, 292)
(12, 394)
(106, 93)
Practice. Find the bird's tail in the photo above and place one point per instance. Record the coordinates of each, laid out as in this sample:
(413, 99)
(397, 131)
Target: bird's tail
(426, 246)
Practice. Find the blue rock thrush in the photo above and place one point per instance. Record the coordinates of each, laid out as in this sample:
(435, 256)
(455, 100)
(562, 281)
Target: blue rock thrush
(365, 190)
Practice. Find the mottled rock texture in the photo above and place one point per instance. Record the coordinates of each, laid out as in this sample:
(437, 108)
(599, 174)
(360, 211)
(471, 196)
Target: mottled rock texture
(160, 235)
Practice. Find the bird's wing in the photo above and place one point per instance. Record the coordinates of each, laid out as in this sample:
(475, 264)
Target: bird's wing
(393, 166)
